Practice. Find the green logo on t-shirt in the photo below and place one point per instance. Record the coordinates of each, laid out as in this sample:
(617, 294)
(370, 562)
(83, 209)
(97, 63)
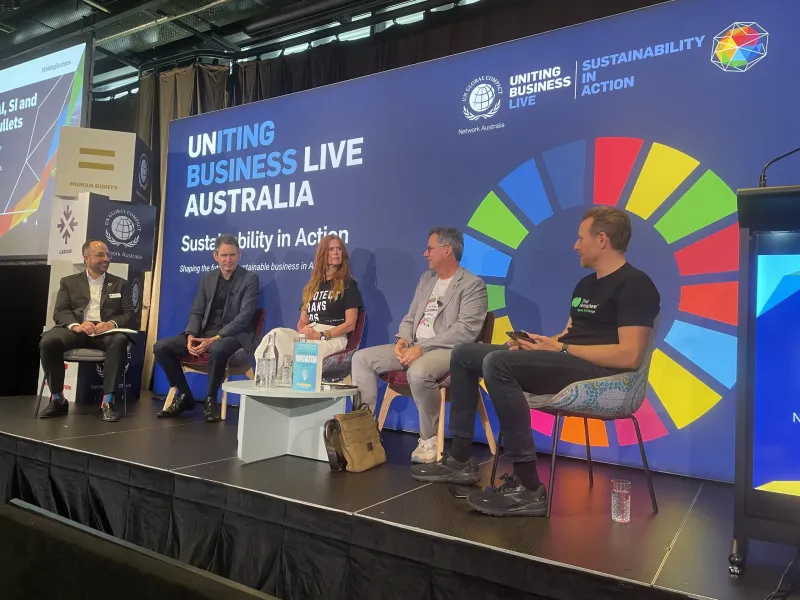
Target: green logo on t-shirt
(576, 301)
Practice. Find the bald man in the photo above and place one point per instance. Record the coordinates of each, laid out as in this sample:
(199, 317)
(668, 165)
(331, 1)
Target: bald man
(88, 304)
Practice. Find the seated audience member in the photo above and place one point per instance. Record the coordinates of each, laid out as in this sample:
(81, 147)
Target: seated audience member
(449, 308)
(220, 323)
(612, 314)
(88, 304)
(330, 304)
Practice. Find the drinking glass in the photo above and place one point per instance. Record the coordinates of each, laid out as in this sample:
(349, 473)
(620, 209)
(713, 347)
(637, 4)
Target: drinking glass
(620, 501)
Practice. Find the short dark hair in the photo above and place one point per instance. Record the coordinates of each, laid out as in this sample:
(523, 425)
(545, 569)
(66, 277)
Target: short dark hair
(88, 243)
(450, 236)
(615, 223)
(226, 238)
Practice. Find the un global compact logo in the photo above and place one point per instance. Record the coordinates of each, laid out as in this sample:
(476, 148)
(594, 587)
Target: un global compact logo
(123, 228)
(482, 98)
(739, 47)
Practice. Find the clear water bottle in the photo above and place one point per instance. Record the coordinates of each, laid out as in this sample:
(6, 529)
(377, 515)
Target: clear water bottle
(271, 361)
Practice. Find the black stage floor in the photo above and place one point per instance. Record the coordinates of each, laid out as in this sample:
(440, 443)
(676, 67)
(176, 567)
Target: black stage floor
(683, 549)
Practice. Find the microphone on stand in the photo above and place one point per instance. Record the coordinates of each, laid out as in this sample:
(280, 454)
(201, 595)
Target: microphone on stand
(762, 181)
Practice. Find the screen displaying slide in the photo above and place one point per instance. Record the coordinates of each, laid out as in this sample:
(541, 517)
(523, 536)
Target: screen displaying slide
(37, 98)
(776, 427)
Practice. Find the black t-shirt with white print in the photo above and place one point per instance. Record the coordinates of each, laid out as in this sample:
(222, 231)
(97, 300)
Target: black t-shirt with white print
(625, 298)
(328, 311)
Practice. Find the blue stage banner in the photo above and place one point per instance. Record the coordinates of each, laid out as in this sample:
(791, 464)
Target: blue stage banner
(663, 112)
(127, 228)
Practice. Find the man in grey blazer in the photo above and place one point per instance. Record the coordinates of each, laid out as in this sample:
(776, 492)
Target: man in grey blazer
(220, 323)
(449, 308)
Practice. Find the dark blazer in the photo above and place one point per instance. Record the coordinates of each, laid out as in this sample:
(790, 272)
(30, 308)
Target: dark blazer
(237, 318)
(74, 295)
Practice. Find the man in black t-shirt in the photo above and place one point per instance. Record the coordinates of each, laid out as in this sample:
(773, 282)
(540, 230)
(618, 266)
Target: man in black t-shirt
(611, 318)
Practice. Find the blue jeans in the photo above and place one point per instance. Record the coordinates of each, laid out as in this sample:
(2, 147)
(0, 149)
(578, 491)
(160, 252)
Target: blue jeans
(507, 375)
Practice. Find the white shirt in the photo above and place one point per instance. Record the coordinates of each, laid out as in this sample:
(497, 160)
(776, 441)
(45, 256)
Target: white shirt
(432, 308)
(92, 311)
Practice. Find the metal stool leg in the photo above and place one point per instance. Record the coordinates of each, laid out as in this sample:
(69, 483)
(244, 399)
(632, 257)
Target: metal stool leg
(39, 398)
(646, 466)
(588, 451)
(496, 458)
(556, 434)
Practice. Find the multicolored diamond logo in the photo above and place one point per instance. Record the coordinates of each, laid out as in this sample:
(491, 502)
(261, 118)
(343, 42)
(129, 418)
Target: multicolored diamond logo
(739, 47)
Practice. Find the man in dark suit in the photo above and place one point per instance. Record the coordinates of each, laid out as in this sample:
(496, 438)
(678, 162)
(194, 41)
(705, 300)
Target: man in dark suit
(88, 304)
(220, 323)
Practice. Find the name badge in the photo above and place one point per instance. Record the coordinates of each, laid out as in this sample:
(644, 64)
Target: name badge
(115, 295)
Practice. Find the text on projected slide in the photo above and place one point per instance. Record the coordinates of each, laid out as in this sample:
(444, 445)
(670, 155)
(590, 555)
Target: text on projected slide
(9, 112)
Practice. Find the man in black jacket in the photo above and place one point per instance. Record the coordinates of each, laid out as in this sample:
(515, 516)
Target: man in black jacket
(87, 305)
(220, 323)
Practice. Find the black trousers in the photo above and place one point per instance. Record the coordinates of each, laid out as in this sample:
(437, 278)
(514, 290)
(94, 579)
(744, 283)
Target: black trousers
(169, 351)
(58, 340)
(507, 374)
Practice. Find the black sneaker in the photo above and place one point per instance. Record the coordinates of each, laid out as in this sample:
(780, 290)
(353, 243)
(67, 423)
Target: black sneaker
(510, 499)
(448, 470)
(108, 413)
(55, 409)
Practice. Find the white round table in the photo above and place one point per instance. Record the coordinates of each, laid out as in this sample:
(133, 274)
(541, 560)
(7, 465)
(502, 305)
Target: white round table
(278, 421)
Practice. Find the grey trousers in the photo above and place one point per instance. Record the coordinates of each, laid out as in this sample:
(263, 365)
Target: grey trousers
(422, 377)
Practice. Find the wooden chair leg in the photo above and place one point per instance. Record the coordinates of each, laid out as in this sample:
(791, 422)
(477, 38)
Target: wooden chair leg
(445, 393)
(487, 427)
(388, 396)
(348, 380)
(224, 410)
(556, 435)
(588, 451)
(250, 374)
(170, 398)
(496, 459)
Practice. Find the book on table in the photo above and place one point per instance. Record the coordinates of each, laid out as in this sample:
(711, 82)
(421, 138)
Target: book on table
(307, 367)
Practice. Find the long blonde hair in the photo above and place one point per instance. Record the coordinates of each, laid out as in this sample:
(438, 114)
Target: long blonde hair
(319, 273)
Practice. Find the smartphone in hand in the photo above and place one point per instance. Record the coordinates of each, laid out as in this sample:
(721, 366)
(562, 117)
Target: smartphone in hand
(520, 335)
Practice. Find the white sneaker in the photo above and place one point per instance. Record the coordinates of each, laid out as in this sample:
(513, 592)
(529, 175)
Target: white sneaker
(426, 451)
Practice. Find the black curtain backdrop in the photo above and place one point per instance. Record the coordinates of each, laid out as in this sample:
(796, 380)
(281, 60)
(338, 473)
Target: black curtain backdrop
(24, 306)
(283, 548)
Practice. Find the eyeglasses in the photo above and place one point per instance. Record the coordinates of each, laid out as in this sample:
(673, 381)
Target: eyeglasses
(101, 255)
(432, 248)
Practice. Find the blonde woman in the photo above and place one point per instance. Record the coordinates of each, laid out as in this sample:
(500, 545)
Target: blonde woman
(330, 304)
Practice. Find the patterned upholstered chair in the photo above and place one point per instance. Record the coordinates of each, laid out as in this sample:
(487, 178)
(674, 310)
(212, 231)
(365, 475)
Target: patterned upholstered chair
(606, 399)
(336, 367)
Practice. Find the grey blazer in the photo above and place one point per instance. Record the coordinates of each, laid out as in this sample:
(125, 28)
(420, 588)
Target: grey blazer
(461, 317)
(240, 307)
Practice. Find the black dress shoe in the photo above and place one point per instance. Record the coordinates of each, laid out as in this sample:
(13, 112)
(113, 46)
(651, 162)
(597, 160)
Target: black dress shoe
(181, 403)
(211, 410)
(55, 409)
(108, 414)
